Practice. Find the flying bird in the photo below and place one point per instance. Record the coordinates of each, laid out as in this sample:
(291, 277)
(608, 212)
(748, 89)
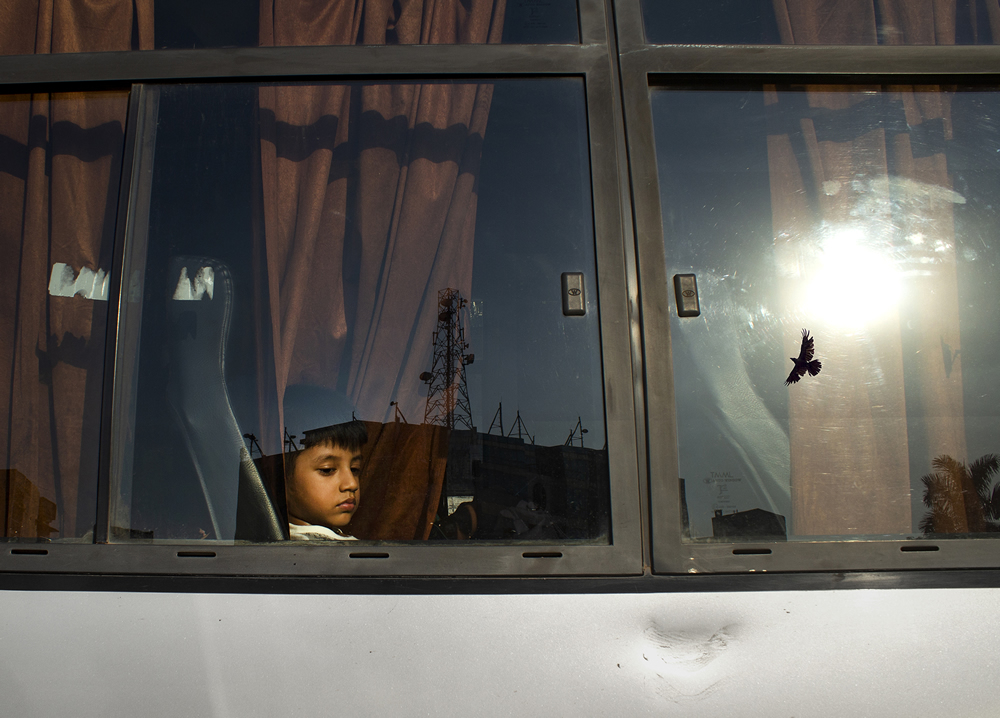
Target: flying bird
(804, 362)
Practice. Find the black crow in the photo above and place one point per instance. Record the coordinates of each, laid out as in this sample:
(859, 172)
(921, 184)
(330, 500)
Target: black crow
(805, 362)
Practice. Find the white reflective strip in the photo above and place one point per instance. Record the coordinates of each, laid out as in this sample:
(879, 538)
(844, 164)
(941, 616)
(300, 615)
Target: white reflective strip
(183, 291)
(192, 290)
(61, 281)
(64, 282)
(205, 281)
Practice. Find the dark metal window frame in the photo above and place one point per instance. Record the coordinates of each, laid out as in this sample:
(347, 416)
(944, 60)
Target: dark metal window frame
(592, 60)
(643, 66)
(637, 368)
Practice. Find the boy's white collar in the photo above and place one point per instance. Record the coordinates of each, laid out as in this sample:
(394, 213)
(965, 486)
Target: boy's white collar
(316, 533)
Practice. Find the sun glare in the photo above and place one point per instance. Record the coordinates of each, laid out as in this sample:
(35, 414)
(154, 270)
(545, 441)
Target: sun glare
(854, 284)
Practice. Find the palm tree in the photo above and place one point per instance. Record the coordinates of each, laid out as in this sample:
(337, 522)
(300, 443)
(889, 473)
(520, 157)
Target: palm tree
(961, 499)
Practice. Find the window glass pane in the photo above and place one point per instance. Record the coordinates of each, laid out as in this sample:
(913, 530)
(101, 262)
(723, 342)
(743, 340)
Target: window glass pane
(237, 23)
(41, 26)
(540, 21)
(60, 168)
(814, 22)
(118, 25)
(387, 260)
(724, 22)
(865, 216)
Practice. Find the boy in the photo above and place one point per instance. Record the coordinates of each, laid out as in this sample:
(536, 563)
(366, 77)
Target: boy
(321, 484)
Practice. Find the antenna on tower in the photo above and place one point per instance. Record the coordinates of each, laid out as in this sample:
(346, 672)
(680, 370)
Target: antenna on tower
(498, 415)
(577, 432)
(447, 391)
(519, 425)
(399, 414)
(254, 444)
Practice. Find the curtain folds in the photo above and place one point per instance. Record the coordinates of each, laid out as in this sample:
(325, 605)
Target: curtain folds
(873, 22)
(369, 204)
(286, 23)
(29, 27)
(868, 164)
(59, 179)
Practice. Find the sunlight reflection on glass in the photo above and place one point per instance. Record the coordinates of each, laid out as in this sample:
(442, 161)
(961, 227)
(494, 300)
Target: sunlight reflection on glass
(855, 282)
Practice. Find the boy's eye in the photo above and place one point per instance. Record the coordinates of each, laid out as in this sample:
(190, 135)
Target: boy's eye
(326, 470)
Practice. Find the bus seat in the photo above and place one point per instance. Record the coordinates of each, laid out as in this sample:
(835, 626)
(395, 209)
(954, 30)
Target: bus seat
(199, 314)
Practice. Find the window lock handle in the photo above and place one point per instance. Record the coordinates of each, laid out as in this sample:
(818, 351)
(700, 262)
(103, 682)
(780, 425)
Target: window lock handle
(686, 292)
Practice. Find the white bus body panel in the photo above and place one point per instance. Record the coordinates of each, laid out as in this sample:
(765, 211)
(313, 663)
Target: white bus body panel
(921, 652)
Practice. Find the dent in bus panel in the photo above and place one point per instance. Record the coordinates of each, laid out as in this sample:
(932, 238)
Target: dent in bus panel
(60, 167)
(381, 260)
(865, 217)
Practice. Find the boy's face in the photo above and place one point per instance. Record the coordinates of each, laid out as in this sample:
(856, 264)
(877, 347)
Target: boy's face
(323, 489)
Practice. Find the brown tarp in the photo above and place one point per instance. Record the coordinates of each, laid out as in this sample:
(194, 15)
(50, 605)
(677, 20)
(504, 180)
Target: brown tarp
(401, 480)
(24, 512)
(60, 165)
(369, 205)
(850, 444)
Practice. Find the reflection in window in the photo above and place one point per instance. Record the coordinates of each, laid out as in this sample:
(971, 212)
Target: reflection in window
(815, 22)
(39, 26)
(723, 22)
(243, 23)
(60, 166)
(32, 27)
(866, 216)
(388, 255)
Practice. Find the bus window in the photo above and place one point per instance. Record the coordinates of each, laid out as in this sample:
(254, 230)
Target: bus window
(413, 261)
(837, 383)
(185, 24)
(59, 178)
(789, 22)
(239, 23)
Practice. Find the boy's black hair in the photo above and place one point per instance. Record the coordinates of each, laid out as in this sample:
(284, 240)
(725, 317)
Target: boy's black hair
(351, 435)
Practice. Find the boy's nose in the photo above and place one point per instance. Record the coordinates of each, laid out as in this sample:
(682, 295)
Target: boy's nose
(349, 482)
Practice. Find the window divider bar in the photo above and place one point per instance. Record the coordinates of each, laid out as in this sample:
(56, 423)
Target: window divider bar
(291, 63)
(102, 529)
(805, 60)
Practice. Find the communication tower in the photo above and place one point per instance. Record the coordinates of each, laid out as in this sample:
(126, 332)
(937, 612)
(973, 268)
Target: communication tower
(447, 391)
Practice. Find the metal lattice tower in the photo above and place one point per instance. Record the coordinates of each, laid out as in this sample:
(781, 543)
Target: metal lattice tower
(447, 391)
